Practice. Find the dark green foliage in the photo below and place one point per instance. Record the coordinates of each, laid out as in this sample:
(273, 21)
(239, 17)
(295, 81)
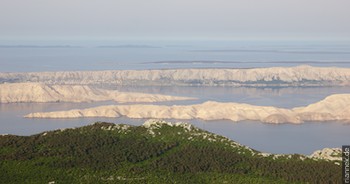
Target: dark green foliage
(104, 153)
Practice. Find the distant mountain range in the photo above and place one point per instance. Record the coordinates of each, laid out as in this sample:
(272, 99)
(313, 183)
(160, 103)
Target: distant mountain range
(37, 92)
(256, 77)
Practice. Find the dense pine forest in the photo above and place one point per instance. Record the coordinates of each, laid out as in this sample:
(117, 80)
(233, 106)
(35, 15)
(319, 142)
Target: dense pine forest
(157, 152)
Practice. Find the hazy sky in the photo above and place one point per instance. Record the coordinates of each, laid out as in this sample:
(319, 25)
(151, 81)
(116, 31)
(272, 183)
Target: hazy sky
(174, 19)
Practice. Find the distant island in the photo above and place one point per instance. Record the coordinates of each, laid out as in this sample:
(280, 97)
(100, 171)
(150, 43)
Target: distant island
(37, 92)
(332, 108)
(301, 76)
(129, 46)
(39, 46)
(156, 152)
(273, 51)
(244, 62)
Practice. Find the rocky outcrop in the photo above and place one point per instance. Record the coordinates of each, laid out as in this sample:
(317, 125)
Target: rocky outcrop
(274, 76)
(331, 154)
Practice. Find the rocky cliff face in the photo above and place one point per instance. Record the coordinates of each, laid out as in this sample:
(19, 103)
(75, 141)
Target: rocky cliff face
(275, 76)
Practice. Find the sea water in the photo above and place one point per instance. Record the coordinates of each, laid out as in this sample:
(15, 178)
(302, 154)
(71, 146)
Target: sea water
(22, 56)
(284, 138)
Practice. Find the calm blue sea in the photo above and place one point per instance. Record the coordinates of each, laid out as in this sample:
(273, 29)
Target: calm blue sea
(20, 56)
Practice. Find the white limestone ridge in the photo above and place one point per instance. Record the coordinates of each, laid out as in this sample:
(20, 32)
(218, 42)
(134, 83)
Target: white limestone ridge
(334, 107)
(275, 76)
(330, 154)
(37, 92)
(320, 111)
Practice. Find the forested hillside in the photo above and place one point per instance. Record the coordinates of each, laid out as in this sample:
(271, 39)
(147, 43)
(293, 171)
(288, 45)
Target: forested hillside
(157, 152)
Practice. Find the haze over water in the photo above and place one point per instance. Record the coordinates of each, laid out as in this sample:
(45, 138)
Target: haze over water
(19, 56)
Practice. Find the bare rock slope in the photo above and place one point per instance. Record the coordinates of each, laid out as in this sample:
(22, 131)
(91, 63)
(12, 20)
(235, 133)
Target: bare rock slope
(331, 154)
(319, 111)
(275, 76)
(334, 107)
(36, 92)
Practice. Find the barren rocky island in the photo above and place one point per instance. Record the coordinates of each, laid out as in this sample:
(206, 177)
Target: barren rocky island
(302, 75)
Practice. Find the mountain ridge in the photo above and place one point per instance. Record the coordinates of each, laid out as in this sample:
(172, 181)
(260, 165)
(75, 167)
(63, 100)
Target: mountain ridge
(302, 75)
(38, 92)
(332, 108)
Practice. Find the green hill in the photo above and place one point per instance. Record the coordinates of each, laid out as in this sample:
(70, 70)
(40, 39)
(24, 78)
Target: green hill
(157, 152)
